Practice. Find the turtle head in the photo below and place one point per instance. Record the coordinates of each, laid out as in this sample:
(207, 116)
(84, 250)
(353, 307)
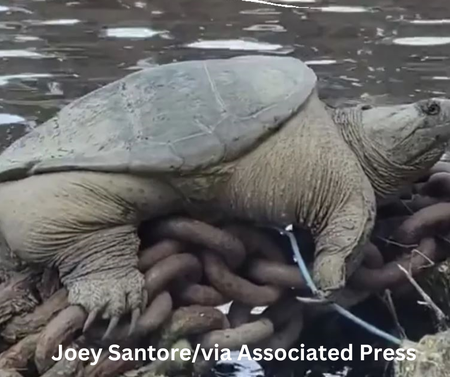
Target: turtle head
(395, 144)
(412, 134)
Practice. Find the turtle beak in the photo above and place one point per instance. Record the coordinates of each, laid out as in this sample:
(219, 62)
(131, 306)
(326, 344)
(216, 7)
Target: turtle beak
(441, 133)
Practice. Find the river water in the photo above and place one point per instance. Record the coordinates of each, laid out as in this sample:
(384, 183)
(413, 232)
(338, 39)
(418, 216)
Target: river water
(52, 52)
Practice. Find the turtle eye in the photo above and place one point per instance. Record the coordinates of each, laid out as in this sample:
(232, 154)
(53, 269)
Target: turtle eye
(432, 108)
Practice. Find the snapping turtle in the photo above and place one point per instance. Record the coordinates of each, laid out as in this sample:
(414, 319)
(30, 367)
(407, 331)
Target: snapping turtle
(247, 136)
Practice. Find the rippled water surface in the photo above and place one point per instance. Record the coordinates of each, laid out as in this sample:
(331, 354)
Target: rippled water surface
(52, 52)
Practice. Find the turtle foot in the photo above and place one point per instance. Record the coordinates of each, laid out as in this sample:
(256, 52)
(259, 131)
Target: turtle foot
(110, 297)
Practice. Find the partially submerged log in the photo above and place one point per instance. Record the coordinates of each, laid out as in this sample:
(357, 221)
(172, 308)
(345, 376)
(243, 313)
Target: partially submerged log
(18, 295)
(31, 323)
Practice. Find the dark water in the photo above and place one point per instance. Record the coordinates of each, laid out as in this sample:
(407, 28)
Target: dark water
(52, 52)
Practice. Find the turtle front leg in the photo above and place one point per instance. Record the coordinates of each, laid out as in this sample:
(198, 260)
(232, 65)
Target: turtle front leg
(339, 244)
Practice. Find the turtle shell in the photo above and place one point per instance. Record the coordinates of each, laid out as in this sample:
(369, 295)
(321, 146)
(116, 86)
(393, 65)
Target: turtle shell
(177, 117)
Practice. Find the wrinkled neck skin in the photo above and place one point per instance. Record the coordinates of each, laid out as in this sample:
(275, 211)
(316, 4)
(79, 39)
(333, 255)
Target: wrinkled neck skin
(386, 174)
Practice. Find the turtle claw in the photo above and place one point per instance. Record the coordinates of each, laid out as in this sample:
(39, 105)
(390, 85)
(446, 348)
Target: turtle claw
(112, 325)
(313, 300)
(111, 296)
(90, 319)
(134, 318)
(144, 300)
